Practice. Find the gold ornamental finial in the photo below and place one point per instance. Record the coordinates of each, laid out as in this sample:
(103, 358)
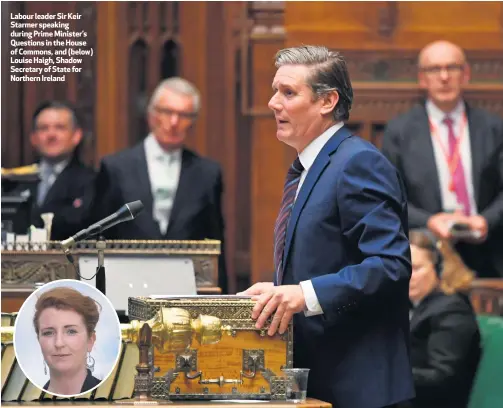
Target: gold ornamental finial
(173, 330)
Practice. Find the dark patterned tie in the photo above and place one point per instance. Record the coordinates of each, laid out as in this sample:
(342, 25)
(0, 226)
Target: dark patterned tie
(289, 193)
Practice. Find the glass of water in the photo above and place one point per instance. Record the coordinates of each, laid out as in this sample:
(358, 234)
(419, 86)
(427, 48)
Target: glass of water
(296, 384)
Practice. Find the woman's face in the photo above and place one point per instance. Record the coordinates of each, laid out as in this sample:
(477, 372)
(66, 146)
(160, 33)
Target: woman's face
(424, 278)
(64, 340)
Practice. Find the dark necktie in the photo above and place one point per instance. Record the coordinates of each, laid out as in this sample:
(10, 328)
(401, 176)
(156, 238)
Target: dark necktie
(458, 178)
(289, 193)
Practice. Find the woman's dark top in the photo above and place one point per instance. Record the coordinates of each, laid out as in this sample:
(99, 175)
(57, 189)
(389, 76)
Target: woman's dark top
(89, 383)
(445, 350)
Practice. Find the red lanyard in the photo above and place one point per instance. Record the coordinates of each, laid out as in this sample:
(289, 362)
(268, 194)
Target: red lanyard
(452, 161)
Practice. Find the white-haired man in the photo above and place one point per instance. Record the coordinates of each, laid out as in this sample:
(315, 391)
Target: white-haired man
(181, 191)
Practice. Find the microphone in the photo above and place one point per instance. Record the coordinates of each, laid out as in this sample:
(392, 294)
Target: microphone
(127, 212)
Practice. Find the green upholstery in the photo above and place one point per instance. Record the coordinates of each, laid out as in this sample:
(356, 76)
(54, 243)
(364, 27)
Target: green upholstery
(487, 389)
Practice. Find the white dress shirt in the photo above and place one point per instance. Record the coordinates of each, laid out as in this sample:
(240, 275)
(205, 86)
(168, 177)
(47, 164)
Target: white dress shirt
(307, 158)
(436, 116)
(164, 174)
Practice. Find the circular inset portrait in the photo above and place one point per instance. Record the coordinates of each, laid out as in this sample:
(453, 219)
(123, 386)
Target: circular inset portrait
(67, 338)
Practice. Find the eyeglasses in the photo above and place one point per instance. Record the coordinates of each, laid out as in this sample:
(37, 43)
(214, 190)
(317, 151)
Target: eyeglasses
(60, 127)
(186, 116)
(437, 69)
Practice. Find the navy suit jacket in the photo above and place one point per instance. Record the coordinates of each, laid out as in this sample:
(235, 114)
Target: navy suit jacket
(348, 235)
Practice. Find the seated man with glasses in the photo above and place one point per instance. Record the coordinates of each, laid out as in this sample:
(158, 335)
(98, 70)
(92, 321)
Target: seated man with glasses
(450, 155)
(181, 191)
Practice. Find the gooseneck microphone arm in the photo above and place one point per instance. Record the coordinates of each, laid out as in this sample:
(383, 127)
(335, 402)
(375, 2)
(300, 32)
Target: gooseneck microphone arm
(127, 212)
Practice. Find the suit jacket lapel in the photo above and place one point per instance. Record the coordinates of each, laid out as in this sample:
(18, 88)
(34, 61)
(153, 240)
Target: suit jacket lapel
(477, 139)
(423, 147)
(183, 190)
(313, 174)
(145, 191)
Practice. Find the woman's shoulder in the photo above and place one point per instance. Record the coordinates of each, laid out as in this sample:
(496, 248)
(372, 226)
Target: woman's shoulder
(90, 382)
(456, 302)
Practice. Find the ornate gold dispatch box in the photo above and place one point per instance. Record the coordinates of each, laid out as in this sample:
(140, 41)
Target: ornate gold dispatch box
(207, 347)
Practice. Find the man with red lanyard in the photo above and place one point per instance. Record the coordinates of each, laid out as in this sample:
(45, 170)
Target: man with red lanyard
(450, 155)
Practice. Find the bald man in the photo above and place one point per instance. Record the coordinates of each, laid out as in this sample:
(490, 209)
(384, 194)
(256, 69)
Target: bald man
(450, 155)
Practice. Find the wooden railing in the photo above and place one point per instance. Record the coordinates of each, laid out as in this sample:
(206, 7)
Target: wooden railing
(486, 296)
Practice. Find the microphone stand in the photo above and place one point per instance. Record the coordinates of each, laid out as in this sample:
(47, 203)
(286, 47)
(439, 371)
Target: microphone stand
(100, 270)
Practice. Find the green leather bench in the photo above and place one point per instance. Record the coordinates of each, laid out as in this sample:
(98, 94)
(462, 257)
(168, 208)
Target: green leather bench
(487, 389)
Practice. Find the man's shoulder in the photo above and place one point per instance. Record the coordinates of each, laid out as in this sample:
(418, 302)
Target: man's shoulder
(205, 163)
(453, 303)
(82, 170)
(485, 116)
(357, 146)
(416, 113)
(124, 157)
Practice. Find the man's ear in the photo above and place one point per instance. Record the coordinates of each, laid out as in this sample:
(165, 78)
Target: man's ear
(77, 137)
(421, 80)
(151, 120)
(467, 73)
(330, 101)
(34, 139)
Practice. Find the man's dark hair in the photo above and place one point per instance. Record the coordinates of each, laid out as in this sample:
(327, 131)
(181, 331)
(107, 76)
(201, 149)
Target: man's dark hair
(53, 104)
(329, 73)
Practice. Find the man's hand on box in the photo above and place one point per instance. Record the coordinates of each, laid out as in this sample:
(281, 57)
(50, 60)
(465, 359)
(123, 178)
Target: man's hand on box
(283, 301)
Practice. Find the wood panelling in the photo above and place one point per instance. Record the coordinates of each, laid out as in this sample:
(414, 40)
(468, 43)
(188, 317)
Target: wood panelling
(12, 125)
(403, 25)
(111, 88)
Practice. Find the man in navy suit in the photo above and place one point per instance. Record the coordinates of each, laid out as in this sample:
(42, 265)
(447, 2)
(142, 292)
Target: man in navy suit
(342, 256)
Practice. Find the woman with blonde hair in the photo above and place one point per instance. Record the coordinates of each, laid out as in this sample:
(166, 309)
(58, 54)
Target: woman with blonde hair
(445, 339)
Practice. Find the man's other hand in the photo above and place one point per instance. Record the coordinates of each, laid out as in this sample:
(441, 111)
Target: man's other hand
(257, 289)
(440, 224)
(478, 225)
